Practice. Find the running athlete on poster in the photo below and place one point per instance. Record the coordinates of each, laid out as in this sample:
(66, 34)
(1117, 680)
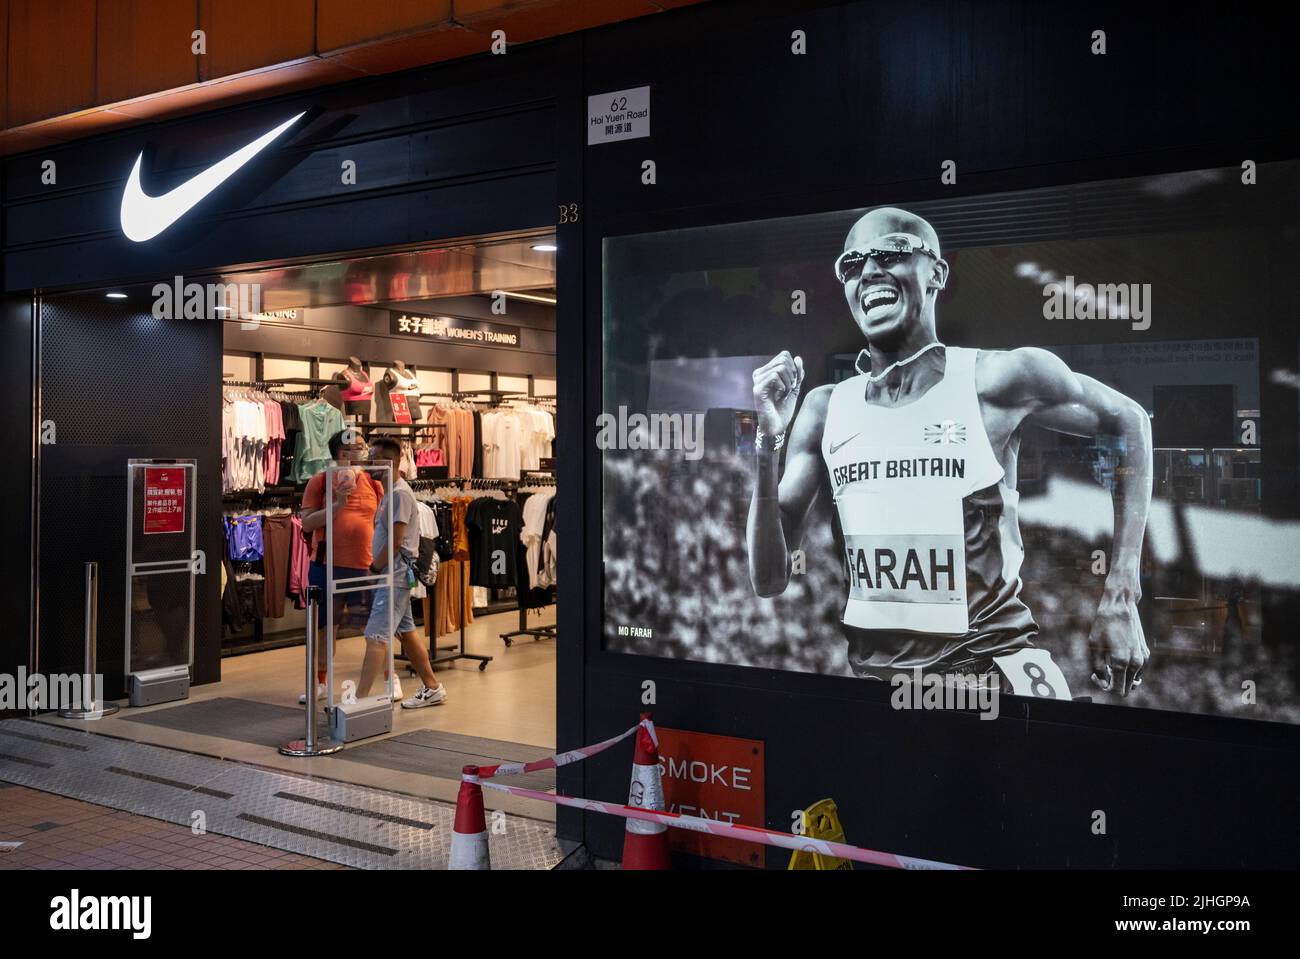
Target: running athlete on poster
(918, 453)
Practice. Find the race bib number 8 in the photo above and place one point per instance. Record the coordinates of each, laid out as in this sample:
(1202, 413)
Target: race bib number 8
(1031, 672)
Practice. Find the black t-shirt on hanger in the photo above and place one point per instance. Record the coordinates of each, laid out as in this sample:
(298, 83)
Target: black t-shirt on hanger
(494, 528)
(292, 427)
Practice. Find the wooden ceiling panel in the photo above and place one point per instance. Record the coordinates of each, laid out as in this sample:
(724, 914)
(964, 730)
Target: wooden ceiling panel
(51, 58)
(245, 35)
(446, 42)
(527, 20)
(143, 46)
(346, 23)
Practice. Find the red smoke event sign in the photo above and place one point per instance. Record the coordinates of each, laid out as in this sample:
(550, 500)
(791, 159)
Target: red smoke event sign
(164, 500)
(716, 777)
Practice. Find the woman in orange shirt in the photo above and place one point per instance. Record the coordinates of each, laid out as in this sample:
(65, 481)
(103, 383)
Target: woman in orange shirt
(355, 502)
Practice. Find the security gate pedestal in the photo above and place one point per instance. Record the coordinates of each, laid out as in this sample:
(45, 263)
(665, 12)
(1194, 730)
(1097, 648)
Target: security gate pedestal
(92, 700)
(348, 723)
(311, 744)
(152, 686)
(161, 536)
(358, 718)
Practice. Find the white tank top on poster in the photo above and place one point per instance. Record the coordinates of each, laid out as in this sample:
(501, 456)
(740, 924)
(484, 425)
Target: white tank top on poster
(900, 477)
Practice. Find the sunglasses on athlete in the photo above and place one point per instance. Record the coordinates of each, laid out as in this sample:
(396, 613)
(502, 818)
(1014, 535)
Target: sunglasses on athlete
(888, 250)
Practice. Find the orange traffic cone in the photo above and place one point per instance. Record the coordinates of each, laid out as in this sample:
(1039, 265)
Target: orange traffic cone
(469, 838)
(645, 844)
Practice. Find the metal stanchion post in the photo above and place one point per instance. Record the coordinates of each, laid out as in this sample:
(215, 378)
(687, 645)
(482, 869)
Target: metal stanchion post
(312, 744)
(91, 707)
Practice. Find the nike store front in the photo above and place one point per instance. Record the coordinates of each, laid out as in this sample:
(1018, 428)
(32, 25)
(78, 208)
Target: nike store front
(919, 405)
(220, 307)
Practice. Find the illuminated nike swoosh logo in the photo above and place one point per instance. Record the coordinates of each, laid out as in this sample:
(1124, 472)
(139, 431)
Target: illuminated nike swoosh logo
(835, 447)
(144, 216)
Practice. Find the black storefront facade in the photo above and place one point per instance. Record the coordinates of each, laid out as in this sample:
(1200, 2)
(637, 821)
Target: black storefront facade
(756, 113)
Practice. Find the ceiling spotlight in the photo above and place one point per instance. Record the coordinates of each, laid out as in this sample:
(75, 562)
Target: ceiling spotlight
(221, 309)
(545, 247)
(116, 296)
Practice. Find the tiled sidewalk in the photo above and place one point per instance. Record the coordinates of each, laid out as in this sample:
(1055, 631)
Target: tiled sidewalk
(61, 833)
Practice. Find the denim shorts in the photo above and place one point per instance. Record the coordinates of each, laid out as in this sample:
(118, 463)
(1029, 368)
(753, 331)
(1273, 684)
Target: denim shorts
(356, 603)
(377, 627)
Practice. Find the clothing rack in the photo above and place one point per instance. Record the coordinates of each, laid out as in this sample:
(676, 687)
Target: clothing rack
(537, 632)
(446, 654)
(494, 397)
(274, 388)
(467, 483)
(417, 429)
(373, 424)
(511, 487)
(530, 478)
(265, 498)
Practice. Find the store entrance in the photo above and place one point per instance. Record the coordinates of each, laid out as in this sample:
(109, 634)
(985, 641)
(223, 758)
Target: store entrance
(446, 354)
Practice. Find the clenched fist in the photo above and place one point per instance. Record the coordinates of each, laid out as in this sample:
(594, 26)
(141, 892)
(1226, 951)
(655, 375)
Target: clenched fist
(1119, 649)
(776, 392)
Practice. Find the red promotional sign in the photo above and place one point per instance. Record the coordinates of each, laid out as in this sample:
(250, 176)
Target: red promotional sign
(401, 412)
(164, 500)
(715, 777)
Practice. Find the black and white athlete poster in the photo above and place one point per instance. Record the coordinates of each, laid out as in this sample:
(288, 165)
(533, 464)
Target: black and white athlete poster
(1022, 438)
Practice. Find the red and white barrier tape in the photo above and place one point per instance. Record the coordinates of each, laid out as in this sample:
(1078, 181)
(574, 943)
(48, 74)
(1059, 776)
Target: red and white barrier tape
(767, 837)
(561, 759)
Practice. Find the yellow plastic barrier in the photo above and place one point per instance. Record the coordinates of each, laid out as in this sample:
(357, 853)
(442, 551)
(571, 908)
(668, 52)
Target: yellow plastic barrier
(821, 820)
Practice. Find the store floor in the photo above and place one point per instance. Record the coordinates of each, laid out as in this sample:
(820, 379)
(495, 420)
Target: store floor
(505, 712)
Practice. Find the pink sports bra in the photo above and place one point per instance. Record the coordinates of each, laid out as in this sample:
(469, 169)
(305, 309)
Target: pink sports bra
(359, 388)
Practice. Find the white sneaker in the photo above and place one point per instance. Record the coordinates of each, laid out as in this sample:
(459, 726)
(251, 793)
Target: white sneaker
(397, 689)
(426, 697)
(320, 694)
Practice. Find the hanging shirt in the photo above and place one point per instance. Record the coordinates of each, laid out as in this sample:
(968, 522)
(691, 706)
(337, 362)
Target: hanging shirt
(275, 437)
(292, 427)
(502, 437)
(532, 533)
(406, 468)
(464, 442)
(494, 526)
(244, 538)
(319, 422)
(439, 439)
